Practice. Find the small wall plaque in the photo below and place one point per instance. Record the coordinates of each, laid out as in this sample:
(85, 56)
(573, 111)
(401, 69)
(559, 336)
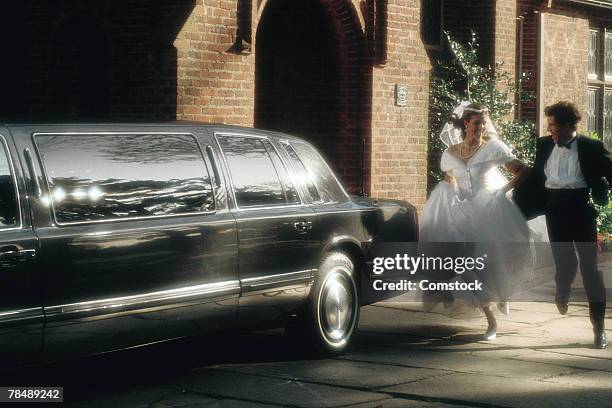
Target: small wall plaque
(401, 95)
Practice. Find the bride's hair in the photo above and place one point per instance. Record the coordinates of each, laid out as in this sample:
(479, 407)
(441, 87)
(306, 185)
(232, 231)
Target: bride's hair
(469, 111)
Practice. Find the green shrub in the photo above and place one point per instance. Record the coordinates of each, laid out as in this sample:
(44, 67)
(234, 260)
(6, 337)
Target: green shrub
(463, 79)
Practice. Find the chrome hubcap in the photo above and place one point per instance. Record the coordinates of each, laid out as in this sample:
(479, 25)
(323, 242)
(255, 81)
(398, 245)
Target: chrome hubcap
(336, 307)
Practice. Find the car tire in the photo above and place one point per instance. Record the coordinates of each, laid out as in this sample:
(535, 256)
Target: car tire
(333, 307)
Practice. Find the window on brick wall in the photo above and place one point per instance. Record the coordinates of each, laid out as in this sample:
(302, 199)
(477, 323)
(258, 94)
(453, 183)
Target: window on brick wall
(599, 92)
(431, 23)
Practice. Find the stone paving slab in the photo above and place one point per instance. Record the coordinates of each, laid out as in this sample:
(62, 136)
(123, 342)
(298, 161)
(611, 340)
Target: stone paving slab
(565, 360)
(460, 362)
(584, 350)
(535, 307)
(542, 341)
(580, 342)
(565, 332)
(217, 383)
(387, 319)
(511, 392)
(528, 317)
(545, 331)
(339, 372)
(436, 329)
(469, 341)
(133, 397)
(161, 398)
(402, 357)
(406, 403)
(595, 380)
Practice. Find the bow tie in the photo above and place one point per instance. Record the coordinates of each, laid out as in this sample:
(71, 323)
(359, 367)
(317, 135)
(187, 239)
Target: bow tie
(567, 145)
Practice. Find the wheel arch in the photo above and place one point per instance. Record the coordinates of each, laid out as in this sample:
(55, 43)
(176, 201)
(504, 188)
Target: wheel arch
(353, 248)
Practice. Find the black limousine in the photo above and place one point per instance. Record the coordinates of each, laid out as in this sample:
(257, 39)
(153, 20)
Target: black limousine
(114, 236)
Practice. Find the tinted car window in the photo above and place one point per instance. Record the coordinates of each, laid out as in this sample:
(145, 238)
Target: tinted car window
(105, 177)
(301, 172)
(8, 195)
(254, 177)
(328, 187)
(291, 194)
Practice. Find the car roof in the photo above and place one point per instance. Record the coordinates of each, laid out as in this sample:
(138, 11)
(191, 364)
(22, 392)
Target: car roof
(83, 126)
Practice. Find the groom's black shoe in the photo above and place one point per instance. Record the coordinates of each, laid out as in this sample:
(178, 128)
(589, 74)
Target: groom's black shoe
(562, 307)
(601, 341)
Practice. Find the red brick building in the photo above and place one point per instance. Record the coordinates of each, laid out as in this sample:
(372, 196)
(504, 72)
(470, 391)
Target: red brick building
(567, 46)
(350, 75)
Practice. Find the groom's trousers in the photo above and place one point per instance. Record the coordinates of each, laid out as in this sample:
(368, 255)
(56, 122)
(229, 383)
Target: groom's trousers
(572, 229)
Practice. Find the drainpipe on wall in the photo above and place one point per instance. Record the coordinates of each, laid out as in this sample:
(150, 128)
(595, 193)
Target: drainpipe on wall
(363, 191)
(540, 118)
(519, 73)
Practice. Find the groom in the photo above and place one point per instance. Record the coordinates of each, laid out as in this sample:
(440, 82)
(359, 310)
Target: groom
(566, 170)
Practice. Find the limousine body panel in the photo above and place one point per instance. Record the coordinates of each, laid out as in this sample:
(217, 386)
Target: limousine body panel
(21, 312)
(118, 279)
(120, 283)
(278, 245)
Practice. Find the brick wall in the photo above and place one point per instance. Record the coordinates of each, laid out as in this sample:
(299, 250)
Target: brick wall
(528, 11)
(565, 35)
(214, 82)
(564, 68)
(505, 35)
(108, 59)
(399, 134)
(165, 60)
(142, 59)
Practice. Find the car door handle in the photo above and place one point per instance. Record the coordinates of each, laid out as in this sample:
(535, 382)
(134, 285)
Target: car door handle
(14, 254)
(302, 227)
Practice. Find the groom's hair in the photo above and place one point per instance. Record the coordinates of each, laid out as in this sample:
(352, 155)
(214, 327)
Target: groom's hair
(564, 112)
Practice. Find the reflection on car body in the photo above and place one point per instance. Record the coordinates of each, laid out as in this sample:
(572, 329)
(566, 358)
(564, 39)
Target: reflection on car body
(117, 235)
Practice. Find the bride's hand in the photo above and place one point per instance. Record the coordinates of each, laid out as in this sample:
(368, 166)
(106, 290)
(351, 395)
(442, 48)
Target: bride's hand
(519, 173)
(501, 192)
(450, 179)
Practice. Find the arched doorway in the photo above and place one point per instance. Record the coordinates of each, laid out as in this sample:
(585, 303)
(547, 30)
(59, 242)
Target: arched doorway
(310, 80)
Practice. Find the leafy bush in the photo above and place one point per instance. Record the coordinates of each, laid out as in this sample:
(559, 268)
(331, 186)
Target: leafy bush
(463, 79)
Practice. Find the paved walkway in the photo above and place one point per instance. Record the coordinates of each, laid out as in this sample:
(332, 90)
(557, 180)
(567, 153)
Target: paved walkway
(402, 357)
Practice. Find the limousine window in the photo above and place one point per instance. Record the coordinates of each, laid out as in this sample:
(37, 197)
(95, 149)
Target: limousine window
(8, 195)
(106, 177)
(291, 194)
(255, 178)
(301, 171)
(327, 185)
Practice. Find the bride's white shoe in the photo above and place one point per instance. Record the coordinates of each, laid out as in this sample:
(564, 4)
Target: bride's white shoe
(504, 307)
(491, 333)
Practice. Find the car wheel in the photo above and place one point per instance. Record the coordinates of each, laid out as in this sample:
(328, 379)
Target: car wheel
(334, 303)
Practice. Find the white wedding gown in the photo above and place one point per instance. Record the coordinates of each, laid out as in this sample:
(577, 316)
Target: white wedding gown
(477, 212)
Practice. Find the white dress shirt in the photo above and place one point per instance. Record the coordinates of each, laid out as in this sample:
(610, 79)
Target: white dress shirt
(563, 168)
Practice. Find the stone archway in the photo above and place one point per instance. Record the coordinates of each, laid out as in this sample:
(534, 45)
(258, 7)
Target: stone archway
(312, 80)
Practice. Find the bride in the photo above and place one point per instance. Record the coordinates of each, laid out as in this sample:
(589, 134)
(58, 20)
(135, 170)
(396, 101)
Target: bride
(470, 206)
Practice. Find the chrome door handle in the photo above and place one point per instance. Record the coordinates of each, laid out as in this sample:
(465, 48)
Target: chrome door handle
(302, 227)
(12, 253)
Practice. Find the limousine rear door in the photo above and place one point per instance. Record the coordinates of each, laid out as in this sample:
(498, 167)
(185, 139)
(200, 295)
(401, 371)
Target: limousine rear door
(21, 313)
(135, 248)
(277, 233)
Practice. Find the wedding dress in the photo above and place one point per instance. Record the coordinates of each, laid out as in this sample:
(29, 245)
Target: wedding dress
(477, 212)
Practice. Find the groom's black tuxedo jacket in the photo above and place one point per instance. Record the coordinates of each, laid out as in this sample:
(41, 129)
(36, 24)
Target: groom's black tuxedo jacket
(595, 164)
